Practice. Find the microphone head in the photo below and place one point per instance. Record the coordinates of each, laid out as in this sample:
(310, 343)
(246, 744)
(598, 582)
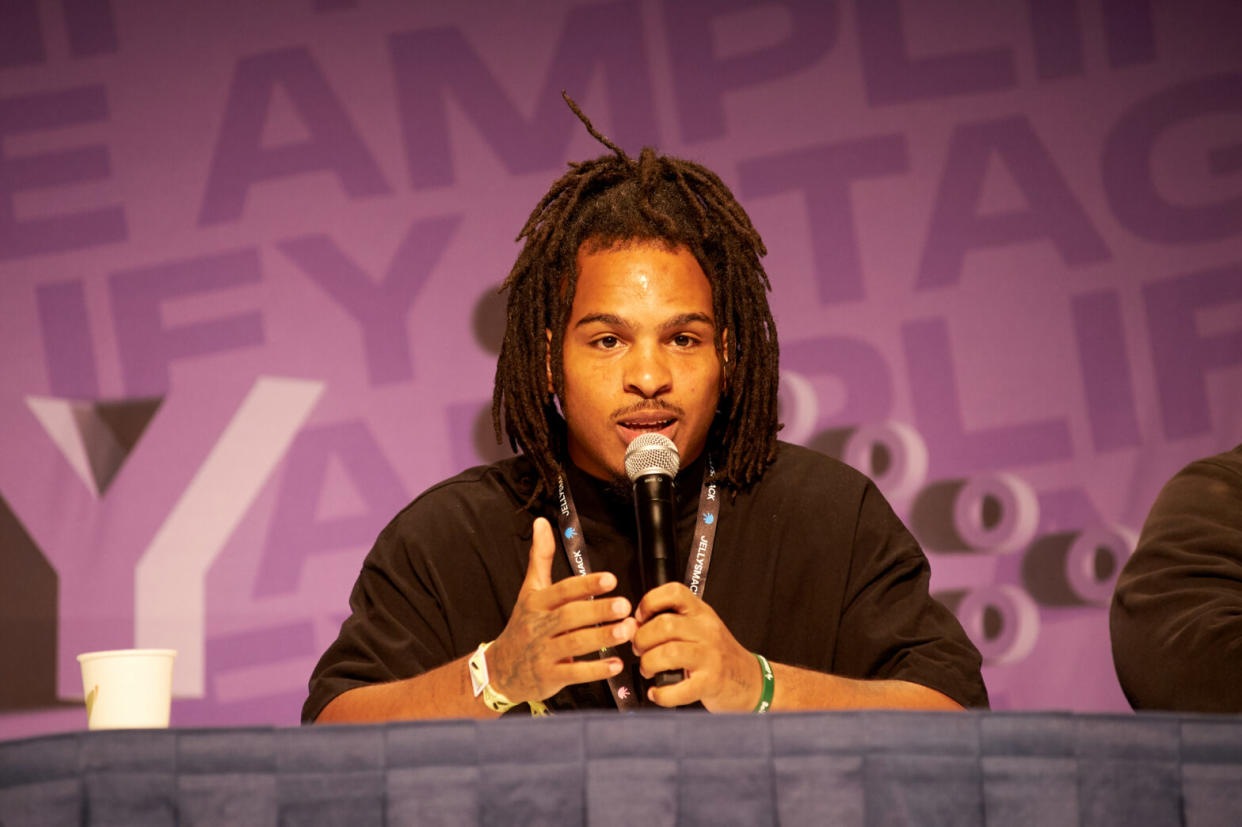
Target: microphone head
(651, 454)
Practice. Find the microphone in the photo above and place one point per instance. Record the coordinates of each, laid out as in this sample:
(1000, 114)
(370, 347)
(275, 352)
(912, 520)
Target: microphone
(651, 462)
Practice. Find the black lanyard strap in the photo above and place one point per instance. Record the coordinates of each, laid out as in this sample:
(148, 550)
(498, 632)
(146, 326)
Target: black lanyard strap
(622, 684)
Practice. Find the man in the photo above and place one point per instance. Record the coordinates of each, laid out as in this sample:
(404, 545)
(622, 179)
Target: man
(638, 304)
(1176, 618)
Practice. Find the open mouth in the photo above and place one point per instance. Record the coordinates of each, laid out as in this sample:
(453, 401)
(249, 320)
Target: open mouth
(647, 418)
(653, 425)
(646, 422)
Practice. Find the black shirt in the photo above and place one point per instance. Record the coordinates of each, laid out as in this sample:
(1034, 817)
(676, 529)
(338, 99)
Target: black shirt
(1176, 618)
(811, 568)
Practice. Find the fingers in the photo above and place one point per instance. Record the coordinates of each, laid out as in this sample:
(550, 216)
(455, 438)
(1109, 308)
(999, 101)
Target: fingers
(553, 623)
(585, 671)
(671, 597)
(537, 586)
(542, 550)
(671, 612)
(726, 679)
(687, 691)
(661, 630)
(533, 663)
(593, 639)
(669, 643)
(572, 589)
(580, 613)
(679, 631)
(678, 655)
(705, 676)
(585, 627)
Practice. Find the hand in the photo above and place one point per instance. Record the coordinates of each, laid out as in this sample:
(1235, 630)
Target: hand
(677, 630)
(552, 623)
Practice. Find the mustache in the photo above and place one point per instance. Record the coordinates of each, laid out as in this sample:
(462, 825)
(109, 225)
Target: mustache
(656, 405)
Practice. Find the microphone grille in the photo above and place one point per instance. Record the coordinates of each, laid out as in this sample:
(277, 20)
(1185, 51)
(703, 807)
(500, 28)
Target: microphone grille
(651, 454)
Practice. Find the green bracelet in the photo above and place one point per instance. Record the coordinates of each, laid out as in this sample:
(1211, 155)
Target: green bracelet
(769, 685)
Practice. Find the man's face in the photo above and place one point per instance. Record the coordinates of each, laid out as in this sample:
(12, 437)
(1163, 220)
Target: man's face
(639, 355)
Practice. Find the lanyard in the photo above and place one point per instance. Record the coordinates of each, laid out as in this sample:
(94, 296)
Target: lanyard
(622, 684)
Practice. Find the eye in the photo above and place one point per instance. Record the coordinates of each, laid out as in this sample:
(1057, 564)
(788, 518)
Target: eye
(606, 342)
(685, 340)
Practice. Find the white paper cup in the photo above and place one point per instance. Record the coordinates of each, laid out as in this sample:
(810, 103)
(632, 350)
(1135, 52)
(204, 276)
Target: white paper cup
(127, 688)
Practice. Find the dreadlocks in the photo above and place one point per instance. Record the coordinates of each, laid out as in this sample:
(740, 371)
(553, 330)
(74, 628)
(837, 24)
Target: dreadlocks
(613, 201)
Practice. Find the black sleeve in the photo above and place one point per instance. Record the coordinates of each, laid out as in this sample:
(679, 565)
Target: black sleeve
(441, 578)
(891, 627)
(1176, 617)
(395, 629)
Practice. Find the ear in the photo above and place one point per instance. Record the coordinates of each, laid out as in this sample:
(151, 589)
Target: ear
(548, 362)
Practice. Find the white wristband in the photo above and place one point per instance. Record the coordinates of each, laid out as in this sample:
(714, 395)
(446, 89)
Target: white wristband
(481, 684)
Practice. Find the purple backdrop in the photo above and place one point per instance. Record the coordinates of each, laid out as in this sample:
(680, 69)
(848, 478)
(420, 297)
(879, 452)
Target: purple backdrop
(249, 251)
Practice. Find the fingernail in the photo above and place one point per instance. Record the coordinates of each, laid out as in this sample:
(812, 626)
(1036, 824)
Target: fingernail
(618, 632)
(607, 581)
(614, 667)
(619, 606)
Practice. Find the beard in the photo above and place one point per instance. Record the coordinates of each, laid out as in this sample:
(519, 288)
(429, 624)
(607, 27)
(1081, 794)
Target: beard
(620, 486)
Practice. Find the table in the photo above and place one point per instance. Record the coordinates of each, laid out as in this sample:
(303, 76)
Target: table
(875, 767)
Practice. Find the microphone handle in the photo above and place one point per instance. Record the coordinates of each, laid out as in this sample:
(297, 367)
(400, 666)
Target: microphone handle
(653, 508)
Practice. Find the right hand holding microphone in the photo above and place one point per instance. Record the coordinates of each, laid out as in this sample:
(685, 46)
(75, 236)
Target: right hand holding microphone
(553, 623)
(678, 630)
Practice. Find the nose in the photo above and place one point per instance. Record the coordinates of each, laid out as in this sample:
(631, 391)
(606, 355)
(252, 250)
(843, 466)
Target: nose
(647, 372)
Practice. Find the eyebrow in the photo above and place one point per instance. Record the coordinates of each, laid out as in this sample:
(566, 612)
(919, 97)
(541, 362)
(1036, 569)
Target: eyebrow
(676, 321)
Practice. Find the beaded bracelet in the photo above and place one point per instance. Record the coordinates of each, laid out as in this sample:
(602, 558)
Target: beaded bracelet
(769, 685)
